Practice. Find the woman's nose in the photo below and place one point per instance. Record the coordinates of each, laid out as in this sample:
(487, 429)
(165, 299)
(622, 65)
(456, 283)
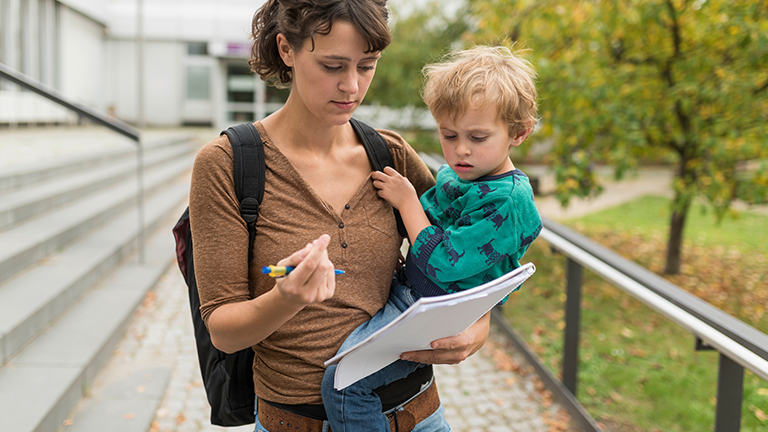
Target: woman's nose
(348, 83)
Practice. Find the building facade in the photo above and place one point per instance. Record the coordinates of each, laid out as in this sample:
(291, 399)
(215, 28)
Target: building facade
(193, 60)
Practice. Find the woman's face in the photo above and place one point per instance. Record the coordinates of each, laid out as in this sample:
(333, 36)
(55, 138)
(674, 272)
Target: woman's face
(331, 80)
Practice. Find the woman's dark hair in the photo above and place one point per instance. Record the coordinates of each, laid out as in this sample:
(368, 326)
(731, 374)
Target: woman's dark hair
(299, 20)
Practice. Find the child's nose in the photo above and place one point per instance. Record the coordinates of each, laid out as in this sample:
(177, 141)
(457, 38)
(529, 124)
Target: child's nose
(462, 149)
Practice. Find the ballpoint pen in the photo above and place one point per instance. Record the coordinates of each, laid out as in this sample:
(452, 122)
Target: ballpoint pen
(280, 271)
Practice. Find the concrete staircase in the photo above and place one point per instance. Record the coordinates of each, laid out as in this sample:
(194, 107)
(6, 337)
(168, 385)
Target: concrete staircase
(69, 273)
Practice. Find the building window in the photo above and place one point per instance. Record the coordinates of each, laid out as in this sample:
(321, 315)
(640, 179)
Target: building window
(197, 48)
(198, 82)
(241, 84)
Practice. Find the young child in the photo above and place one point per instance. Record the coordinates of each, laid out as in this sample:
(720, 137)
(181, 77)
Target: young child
(474, 225)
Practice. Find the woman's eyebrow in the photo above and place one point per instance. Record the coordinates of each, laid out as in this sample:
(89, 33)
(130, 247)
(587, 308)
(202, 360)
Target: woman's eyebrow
(347, 59)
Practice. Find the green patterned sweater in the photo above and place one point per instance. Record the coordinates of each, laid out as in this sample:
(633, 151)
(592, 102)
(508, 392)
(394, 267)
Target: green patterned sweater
(480, 230)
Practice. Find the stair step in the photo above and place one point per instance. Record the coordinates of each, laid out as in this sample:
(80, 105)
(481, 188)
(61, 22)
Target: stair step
(106, 408)
(16, 177)
(40, 386)
(26, 203)
(26, 244)
(36, 297)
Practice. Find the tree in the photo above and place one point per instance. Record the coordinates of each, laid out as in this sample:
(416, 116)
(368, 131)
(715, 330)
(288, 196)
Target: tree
(419, 38)
(621, 78)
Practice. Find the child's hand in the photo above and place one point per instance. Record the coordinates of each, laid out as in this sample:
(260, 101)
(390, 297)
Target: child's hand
(394, 188)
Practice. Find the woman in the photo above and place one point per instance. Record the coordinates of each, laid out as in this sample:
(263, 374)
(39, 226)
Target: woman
(320, 211)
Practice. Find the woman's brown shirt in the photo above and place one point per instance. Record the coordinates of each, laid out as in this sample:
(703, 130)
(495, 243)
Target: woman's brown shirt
(288, 367)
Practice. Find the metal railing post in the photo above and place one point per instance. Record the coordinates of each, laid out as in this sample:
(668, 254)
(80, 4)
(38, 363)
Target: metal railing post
(140, 199)
(572, 325)
(730, 392)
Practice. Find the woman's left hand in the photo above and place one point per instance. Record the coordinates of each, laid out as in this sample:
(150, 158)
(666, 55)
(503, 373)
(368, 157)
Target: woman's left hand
(454, 349)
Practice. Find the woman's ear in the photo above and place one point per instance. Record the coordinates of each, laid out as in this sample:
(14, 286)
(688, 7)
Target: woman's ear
(285, 50)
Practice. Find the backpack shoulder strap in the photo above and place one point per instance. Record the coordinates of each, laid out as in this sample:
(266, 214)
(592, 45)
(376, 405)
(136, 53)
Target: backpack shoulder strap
(379, 155)
(249, 173)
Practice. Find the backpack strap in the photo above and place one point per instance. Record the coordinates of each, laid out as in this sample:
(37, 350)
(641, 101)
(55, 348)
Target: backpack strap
(249, 162)
(379, 155)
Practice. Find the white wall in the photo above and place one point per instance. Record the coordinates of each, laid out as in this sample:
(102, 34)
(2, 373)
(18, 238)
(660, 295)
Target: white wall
(29, 44)
(28, 107)
(191, 20)
(122, 80)
(82, 59)
(97, 10)
(163, 82)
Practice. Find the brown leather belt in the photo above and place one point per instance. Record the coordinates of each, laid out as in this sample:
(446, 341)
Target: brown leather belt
(402, 420)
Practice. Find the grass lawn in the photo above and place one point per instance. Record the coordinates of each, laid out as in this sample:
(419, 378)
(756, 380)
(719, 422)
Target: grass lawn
(638, 371)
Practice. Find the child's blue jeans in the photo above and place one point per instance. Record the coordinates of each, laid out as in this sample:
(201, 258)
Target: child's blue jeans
(357, 408)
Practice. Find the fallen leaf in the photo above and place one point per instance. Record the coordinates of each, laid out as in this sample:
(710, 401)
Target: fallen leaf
(129, 416)
(762, 391)
(68, 422)
(673, 353)
(761, 415)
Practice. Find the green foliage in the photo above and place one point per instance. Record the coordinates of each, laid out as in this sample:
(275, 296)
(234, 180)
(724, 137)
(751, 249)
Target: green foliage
(426, 141)
(620, 77)
(420, 38)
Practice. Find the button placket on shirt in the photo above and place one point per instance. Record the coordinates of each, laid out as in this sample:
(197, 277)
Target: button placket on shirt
(342, 234)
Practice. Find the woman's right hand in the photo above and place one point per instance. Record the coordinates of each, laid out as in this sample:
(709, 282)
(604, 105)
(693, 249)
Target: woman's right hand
(313, 280)
(234, 326)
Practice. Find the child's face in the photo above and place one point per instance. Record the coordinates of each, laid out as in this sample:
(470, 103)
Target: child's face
(477, 143)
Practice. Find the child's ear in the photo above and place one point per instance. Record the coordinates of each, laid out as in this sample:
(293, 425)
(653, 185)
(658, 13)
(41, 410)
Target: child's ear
(520, 136)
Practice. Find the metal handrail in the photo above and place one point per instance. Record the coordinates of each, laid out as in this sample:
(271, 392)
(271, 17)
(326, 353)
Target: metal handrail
(740, 345)
(97, 117)
(749, 337)
(679, 314)
(54, 95)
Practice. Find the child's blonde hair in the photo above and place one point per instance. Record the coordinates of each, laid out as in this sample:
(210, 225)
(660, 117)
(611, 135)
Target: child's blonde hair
(481, 75)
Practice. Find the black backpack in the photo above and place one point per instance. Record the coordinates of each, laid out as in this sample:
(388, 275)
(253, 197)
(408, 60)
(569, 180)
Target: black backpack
(228, 378)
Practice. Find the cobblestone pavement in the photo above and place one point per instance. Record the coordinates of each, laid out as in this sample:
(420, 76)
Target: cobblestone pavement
(488, 392)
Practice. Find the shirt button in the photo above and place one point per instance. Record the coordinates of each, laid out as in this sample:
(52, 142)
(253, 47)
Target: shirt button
(344, 245)
(341, 225)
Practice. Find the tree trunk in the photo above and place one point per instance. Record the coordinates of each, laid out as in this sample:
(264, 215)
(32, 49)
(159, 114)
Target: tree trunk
(680, 208)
